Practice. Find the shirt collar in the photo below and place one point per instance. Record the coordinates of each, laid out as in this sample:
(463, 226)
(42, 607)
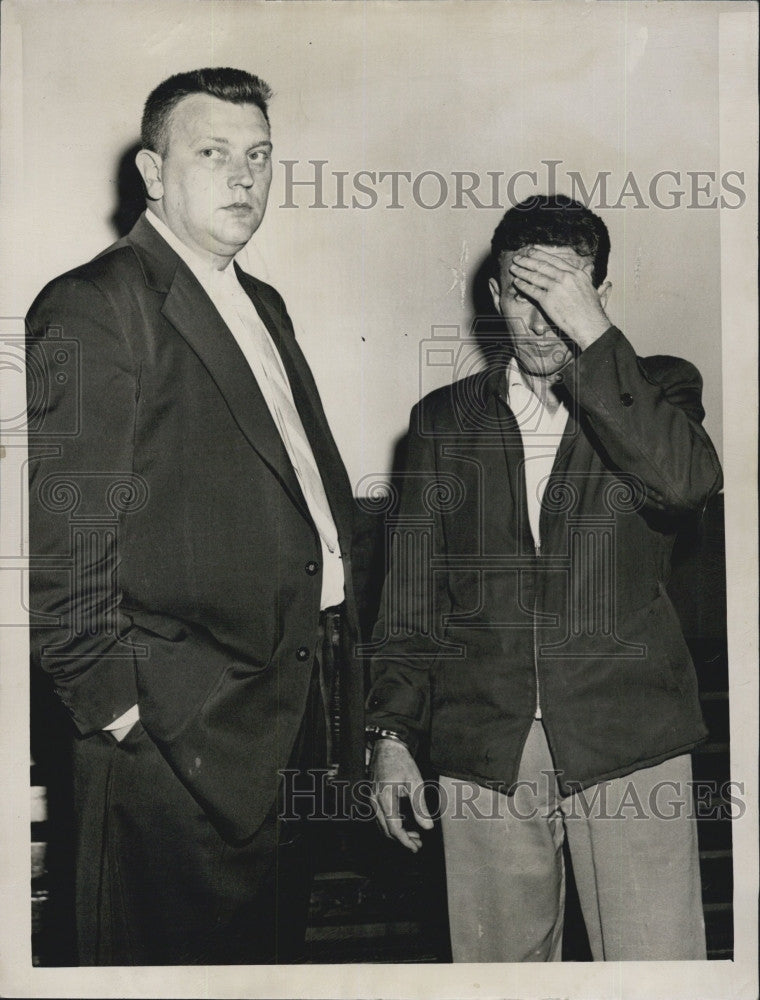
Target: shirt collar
(522, 397)
(516, 380)
(208, 275)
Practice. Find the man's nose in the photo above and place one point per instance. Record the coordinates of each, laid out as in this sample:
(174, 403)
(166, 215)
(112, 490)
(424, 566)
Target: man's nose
(538, 323)
(241, 174)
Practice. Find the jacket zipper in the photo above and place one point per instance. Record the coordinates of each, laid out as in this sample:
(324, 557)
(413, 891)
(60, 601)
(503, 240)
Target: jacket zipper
(537, 714)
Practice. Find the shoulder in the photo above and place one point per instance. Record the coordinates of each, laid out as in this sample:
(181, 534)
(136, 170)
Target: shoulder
(678, 379)
(664, 369)
(97, 279)
(613, 355)
(458, 403)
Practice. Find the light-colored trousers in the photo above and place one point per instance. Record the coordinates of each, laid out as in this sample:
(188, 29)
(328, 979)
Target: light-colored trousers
(633, 845)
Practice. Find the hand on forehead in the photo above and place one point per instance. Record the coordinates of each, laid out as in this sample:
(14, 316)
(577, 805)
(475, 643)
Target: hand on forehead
(557, 255)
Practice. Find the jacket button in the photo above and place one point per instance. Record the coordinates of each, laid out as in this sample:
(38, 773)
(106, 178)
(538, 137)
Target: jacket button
(303, 653)
(312, 567)
(626, 399)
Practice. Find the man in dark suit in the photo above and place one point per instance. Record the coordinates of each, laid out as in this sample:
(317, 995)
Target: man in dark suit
(190, 541)
(526, 638)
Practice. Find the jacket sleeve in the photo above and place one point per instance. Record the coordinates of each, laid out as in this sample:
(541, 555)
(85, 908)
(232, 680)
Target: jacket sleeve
(406, 638)
(81, 391)
(647, 416)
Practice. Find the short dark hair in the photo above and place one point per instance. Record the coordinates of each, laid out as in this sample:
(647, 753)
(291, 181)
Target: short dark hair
(234, 85)
(554, 220)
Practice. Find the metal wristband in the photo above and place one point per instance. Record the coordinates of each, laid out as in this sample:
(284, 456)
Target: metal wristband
(375, 733)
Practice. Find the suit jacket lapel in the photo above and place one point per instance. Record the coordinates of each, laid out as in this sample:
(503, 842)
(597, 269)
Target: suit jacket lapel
(306, 397)
(193, 315)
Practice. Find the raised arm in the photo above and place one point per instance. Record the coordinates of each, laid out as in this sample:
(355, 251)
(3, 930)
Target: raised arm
(646, 413)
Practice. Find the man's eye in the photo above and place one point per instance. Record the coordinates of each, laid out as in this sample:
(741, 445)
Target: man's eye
(259, 155)
(211, 153)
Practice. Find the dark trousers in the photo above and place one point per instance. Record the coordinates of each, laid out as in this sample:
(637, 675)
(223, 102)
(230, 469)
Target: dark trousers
(157, 885)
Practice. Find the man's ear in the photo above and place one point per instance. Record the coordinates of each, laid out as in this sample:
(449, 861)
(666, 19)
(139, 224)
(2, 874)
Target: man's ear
(149, 164)
(604, 292)
(495, 290)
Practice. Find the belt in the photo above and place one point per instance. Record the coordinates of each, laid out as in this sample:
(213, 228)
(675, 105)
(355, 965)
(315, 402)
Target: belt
(331, 614)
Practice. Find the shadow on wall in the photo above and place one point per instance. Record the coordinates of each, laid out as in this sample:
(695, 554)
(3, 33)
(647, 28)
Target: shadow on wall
(130, 193)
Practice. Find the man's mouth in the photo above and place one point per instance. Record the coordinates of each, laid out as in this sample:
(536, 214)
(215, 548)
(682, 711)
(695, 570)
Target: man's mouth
(549, 346)
(542, 345)
(239, 206)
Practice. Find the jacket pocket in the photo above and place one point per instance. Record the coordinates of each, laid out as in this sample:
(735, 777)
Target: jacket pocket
(657, 628)
(162, 626)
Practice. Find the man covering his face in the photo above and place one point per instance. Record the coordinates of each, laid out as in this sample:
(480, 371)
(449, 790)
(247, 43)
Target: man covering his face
(528, 642)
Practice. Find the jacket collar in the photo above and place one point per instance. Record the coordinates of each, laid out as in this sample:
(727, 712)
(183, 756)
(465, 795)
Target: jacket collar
(496, 395)
(158, 261)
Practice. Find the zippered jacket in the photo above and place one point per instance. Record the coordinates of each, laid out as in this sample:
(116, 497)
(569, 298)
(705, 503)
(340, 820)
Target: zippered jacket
(479, 629)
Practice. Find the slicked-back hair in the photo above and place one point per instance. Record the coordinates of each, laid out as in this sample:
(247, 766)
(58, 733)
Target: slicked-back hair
(233, 85)
(553, 220)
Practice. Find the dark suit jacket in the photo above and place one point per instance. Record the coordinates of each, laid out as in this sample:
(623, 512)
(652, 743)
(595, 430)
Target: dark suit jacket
(476, 623)
(174, 561)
